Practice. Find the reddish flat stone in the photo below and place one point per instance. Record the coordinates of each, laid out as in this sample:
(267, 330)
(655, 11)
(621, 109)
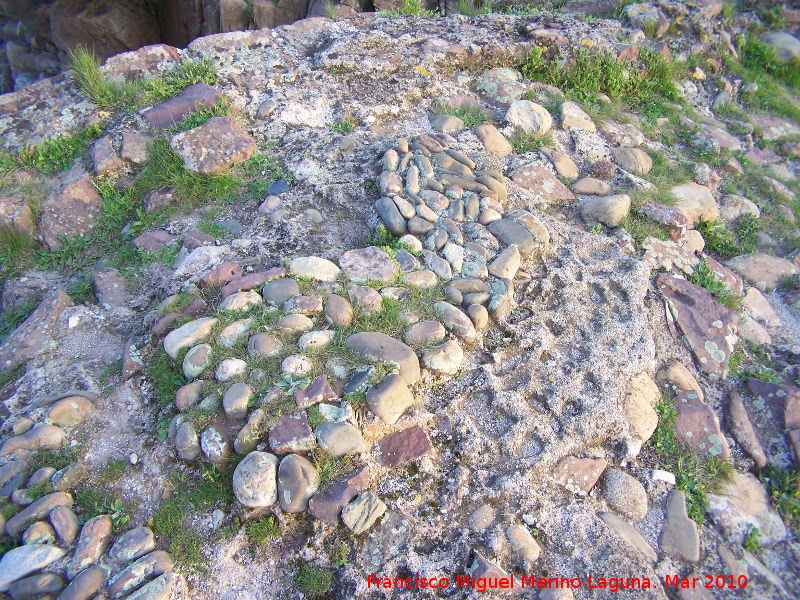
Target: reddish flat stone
(197, 239)
(404, 446)
(170, 112)
(153, 240)
(164, 325)
(666, 215)
(542, 183)
(318, 391)
(710, 328)
(726, 276)
(327, 505)
(697, 426)
(292, 434)
(221, 275)
(579, 475)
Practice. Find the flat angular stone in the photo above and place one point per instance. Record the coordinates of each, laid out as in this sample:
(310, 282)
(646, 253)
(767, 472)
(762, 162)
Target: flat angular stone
(483, 569)
(249, 282)
(104, 157)
(360, 514)
(379, 346)
(529, 117)
(743, 504)
(641, 397)
(632, 538)
(370, 263)
(695, 202)
(610, 210)
(679, 535)
(710, 328)
(214, 146)
(16, 214)
(403, 446)
(158, 589)
(291, 434)
(327, 504)
(670, 216)
(170, 112)
(153, 240)
(542, 184)
(317, 391)
(495, 143)
(666, 255)
(303, 305)
(573, 117)
(697, 426)
(579, 475)
(390, 398)
(71, 209)
(134, 147)
(762, 270)
(254, 480)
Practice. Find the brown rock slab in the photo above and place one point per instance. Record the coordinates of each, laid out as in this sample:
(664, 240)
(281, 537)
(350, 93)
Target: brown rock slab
(215, 146)
(679, 535)
(328, 504)
(710, 328)
(249, 282)
(71, 209)
(221, 275)
(495, 143)
(44, 436)
(403, 446)
(697, 426)
(695, 202)
(743, 432)
(92, 543)
(292, 434)
(317, 391)
(667, 215)
(153, 240)
(104, 157)
(370, 263)
(542, 184)
(16, 214)
(71, 411)
(762, 270)
(632, 538)
(134, 147)
(679, 377)
(666, 255)
(579, 475)
(743, 504)
(390, 398)
(171, 111)
(109, 287)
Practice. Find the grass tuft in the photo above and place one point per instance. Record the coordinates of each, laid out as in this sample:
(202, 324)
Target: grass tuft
(696, 475)
(314, 581)
(472, 116)
(523, 142)
(53, 155)
(15, 315)
(783, 488)
(263, 530)
(705, 278)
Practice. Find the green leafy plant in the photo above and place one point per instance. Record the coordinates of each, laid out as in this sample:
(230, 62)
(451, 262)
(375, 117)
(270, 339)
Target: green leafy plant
(315, 417)
(783, 488)
(117, 512)
(719, 240)
(752, 540)
(289, 383)
(314, 581)
(113, 469)
(167, 379)
(343, 126)
(339, 555)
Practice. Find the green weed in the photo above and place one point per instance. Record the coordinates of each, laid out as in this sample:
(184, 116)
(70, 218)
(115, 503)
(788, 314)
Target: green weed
(472, 8)
(642, 227)
(647, 86)
(783, 488)
(696, 475)
(15, 250)
(107, 94)
(15, 315)
(339, 555)
(312, 580)
(51, 156)
(113, 469)
(56, 458)
(523, 142)
(11, 375)
(705, 278)
(202, 115)
(343, 126)
(263, 530)
(472, 116)
(719, 240)
(315, 417)
(329, 467)
(412, 8)
(40, 490)
(758, 56)
(166, 378)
